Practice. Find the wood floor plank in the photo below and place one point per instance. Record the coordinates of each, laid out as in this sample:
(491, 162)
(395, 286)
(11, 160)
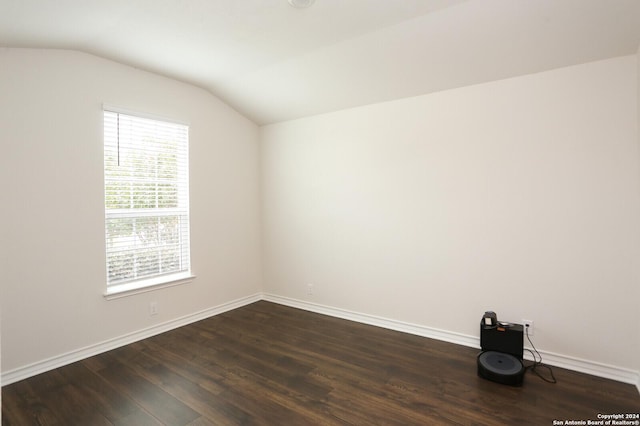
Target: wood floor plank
(72, 406)
(22, 406)
(268, 364)
(151, 398)
(100, 394)
(138, 418)
(196, 397)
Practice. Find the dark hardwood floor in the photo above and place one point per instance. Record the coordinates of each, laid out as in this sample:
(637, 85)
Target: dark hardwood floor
(268, 364)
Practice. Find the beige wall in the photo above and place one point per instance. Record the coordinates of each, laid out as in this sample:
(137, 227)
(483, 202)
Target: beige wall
(53, 272)
(519, 196)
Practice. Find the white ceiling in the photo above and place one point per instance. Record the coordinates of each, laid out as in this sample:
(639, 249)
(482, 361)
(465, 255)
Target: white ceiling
(273, 62)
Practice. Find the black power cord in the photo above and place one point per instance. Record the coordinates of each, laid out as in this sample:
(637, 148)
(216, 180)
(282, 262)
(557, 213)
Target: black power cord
(538, 363)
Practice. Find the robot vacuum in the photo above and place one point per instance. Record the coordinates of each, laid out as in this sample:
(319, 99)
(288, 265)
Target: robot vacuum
(501, 367)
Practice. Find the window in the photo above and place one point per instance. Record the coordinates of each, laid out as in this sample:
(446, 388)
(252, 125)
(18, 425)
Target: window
(146, 184)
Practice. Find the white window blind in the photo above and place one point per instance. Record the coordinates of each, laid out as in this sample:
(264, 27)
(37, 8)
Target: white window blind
(146, 182)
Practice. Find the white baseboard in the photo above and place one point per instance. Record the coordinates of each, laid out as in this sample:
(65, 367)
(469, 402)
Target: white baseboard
(562, 361)
(30, 370)
(419, 330)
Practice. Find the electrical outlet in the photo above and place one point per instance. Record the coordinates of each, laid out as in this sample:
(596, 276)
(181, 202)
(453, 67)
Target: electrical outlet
(153, 308)
(528, 327)
(310, 289)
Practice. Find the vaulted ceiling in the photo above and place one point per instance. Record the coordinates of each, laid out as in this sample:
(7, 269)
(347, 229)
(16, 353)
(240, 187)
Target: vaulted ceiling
(273, 62)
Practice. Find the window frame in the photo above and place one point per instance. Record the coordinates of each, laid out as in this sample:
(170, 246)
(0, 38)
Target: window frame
(159, 280)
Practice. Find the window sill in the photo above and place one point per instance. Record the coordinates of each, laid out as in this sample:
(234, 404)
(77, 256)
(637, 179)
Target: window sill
(144, 286)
